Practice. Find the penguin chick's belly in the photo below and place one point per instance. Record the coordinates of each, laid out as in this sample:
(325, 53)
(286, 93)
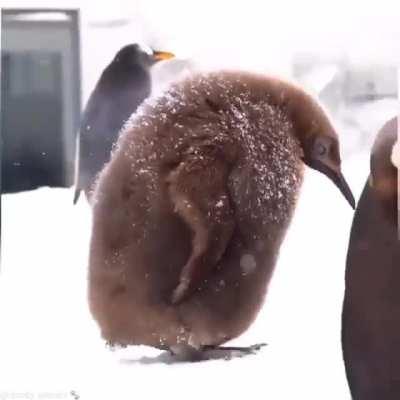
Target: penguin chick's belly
(245, 181)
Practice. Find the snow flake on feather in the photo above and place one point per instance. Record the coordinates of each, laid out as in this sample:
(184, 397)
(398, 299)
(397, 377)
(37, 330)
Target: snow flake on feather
(247, 264)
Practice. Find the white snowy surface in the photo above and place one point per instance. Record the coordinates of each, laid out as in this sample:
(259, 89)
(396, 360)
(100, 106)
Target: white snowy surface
(49, 342)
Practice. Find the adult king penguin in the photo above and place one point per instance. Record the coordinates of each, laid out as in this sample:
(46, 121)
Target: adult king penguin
(371, 309)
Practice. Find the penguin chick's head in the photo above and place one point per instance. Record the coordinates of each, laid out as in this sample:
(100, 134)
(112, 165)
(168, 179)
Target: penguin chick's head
(133, 54)
(321, 149)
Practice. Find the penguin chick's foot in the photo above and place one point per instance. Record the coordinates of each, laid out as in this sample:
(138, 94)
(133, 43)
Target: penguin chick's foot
(186, 353)
(229, 352)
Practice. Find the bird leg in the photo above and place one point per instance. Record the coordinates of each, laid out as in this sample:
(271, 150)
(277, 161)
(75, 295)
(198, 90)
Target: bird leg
(198, 192)
(231, 351)
(184, 352)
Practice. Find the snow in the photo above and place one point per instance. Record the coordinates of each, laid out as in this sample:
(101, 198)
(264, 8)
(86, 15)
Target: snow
(219, 204)
(247, 263)
(49, 342)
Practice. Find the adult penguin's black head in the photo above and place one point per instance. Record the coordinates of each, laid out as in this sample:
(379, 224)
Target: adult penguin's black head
(134, 54)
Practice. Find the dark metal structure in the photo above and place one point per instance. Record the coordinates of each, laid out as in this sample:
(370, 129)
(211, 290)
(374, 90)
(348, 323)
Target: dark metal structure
(40, 90)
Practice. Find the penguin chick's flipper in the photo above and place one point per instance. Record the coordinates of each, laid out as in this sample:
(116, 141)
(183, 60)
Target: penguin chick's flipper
(198, 191)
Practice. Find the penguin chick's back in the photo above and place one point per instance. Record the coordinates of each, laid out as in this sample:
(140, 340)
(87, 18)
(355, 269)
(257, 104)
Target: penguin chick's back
(230, 111)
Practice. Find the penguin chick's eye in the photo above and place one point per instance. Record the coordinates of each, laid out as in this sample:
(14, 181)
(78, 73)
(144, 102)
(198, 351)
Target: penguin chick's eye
(321, 148)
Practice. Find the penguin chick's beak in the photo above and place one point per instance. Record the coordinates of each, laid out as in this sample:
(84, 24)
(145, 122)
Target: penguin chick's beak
(162, 55)
(336, 176)
(340, 182)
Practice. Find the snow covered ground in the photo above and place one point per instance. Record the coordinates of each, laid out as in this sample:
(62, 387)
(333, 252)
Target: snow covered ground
(50, 346)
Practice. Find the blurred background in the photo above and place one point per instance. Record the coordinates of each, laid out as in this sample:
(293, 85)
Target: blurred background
(346, 53)
(54, 52)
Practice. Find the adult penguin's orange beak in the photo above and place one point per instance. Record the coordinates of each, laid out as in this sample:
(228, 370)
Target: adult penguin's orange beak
(162, 55)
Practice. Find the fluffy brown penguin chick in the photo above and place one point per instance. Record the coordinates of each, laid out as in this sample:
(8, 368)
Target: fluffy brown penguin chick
(371, 309)
(190, 213)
